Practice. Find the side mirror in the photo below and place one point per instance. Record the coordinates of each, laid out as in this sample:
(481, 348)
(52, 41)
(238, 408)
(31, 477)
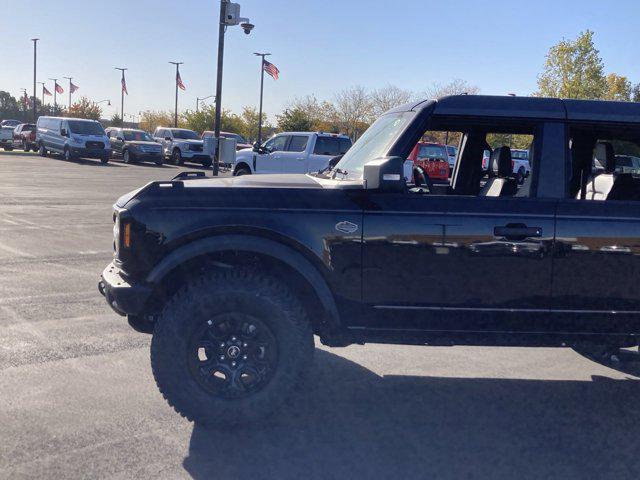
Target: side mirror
(385, 174)
(334, 161)
(63, 132)
(120, 139)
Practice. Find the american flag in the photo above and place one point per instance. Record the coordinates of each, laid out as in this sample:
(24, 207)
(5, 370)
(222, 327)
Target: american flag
(179, 82)
(73, 87)
(271, 69)
(124, 84)
(45, 91)
(59, 88)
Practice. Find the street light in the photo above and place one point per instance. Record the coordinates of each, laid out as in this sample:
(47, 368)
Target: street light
(102, 101)
(229, 16)
(198, 100)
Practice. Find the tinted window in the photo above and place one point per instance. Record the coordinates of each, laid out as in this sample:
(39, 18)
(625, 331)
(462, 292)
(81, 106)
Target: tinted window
(345, 145)
(298, 143)
(85, 128)
(185, 135)
(327, 146)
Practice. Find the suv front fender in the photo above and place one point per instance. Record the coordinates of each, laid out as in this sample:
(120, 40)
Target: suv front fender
(251, 244)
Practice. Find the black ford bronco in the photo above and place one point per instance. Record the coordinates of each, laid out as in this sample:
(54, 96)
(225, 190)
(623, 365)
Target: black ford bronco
(234, 276)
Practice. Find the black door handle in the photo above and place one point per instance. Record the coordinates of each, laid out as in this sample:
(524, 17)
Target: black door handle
(517, 232)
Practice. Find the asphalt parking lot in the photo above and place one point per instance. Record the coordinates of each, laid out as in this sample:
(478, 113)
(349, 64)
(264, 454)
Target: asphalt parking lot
(78, 399)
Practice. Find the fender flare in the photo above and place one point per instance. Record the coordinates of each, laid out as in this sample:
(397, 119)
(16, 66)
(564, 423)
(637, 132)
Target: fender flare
(255, 244)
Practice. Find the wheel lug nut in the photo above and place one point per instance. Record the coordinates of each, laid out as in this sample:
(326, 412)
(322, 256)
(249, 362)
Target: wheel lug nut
(222, 345)
(245, 345)
(244, 357)
(221, 357)
(233, 364)
(233, 339)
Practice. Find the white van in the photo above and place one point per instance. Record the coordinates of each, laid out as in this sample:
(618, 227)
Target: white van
(73, 138)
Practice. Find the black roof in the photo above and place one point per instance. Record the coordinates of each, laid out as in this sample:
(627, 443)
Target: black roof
(532, 107)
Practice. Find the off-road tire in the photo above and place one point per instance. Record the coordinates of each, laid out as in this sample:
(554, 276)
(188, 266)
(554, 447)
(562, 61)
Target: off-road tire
(218, 293)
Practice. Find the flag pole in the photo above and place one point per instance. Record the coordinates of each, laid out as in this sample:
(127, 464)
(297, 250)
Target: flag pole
(42, 83)
(69, 78)
(261, 55)
(35, 57)
(55, 95)
(122, 83)
(175, 115)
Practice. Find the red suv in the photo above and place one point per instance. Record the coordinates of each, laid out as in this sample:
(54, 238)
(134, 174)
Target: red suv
(433, 159)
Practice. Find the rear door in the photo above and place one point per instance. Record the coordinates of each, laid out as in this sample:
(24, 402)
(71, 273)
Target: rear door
(294, 158)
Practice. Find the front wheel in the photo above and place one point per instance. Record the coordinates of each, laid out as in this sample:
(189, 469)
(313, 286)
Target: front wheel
(104, 160)
(67, 154)
(242, 171)
(126, 157)
(521, 175)
(42, 151)
(230, 347)
(25, 146)
(176, 157)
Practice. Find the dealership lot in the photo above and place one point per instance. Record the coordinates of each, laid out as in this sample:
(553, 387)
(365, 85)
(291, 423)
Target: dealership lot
(79, 400)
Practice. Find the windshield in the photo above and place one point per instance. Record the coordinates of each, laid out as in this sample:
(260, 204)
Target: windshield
(519, 155)
(375, 143)
(235, 136)
(85, 128)
(185, 135)
(432, 151)
(136, 136)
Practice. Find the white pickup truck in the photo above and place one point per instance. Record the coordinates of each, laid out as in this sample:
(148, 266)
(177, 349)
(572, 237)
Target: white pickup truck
(6, 138)
(291, 152)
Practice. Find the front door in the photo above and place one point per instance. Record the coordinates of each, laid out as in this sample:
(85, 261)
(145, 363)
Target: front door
(271, 162)
(445, 263)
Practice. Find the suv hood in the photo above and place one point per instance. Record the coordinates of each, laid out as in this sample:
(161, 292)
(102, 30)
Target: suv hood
(141, 143)
(189, 142)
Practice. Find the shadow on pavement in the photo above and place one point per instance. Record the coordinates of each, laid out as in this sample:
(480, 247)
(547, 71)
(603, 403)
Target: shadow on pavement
(351, 423)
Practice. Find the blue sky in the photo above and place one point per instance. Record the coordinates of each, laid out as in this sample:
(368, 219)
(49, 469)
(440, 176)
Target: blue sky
(320, 47)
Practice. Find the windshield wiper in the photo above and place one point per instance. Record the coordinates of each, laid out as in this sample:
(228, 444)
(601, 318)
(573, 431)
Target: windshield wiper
(339, 171)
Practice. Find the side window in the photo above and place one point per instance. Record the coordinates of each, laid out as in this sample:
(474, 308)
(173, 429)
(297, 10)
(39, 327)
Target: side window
(298, 143)
(327, 146)
(605, 164)
(277, 144)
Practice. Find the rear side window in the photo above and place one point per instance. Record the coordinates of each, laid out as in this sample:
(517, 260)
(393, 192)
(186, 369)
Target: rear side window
(327, 146)
(298, 143)
(345, 145)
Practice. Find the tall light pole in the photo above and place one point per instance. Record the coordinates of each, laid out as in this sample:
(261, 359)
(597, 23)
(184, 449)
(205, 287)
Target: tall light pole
(229, 16)
(122, 84)
(198, 100)
(35, 58)
(69, 78)
(261, 55)
(175, 115)
(55, 95)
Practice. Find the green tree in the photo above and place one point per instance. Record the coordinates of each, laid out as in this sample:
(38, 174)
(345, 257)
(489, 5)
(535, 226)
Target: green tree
(250, 121)
(205, 119)
(573, 69)
(116, 120)
(618, 88)
(635, 93)
(84, 108)
(150, 120)
(294, 120)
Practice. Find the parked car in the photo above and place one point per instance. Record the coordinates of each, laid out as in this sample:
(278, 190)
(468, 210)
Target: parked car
(73, 138)
(180, 145)
(627, 164)
(134, 145)
(292, 152)
(6, 138)
(24, 136)
(432, 158)
(241, 142)
(234, 292)
(10, 123)
(521, 167)
(452, 152)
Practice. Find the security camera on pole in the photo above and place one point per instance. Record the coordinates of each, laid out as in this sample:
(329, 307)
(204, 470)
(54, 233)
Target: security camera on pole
(229, 16)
